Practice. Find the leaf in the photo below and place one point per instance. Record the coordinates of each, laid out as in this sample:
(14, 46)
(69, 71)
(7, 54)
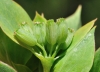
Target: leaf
(6, 68)
(80, 33)
(12, 52)
(33, 63)
(79, 56)
(22, 68)
(96, 64)
(74, 21)
(11, 16)
(90, 12)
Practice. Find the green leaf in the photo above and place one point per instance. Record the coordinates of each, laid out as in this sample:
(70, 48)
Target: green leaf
(11, 16)
(74, 21)
(80, 33)
(6, 68)
(12, 52)
(22, 68)
(79, 56)
(33, 63)
(96, 64)
(90, 12)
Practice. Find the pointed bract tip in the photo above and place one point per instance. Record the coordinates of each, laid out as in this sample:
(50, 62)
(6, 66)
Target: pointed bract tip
(80, 6)
(95, 19)
(42, 14)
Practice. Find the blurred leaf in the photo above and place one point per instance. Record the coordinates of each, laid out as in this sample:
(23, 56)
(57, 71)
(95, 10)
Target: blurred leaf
(33, 63)
(79, 56)
(74, 21)
(96, 64)
(22, 68)
(6, 68)
(11, 16)
(12, 51)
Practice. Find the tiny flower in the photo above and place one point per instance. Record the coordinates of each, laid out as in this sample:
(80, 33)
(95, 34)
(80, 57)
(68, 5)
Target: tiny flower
(63, 30)
(68, 41)
(25, 36)
(39, 30)
(51, 32)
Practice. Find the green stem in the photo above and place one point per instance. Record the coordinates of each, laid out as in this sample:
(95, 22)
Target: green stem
(47, 63)
(43, 49)
(51, 49)
(34, 52)
(55, 52)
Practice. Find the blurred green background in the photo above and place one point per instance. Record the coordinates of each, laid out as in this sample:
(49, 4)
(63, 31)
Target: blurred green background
(54, 9)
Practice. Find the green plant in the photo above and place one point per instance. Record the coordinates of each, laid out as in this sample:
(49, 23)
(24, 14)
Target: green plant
(44, 45)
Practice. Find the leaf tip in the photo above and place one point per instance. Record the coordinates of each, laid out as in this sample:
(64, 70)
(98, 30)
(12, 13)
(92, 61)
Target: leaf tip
(93, 21)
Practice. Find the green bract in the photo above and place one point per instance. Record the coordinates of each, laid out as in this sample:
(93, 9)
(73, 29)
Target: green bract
(24, 35)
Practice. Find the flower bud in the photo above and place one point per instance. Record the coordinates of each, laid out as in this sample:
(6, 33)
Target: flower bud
(51, 32)
(25, 36)
(39, 30)
(63, 30)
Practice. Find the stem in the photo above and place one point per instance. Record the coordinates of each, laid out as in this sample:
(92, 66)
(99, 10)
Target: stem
(47, 63)
(51, 49)
(43, 49)
(55, 52)
(33, 51)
